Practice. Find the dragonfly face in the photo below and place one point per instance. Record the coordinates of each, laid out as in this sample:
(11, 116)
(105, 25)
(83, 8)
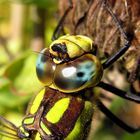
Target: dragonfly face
(69, 65)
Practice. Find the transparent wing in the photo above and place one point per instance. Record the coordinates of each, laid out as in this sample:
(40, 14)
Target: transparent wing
(8, 131)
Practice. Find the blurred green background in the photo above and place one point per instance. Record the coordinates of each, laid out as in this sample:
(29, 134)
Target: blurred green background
(26, 26)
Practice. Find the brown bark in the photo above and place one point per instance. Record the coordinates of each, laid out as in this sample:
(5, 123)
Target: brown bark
(90, 18)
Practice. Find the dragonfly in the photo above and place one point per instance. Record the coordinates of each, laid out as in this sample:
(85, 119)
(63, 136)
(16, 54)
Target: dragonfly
(69, 70)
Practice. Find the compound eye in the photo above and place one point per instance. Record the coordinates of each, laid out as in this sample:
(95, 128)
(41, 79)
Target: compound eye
(75, 75)
(45, 67)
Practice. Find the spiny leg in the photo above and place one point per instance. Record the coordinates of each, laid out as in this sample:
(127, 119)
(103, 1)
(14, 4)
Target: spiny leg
(8, 129)
(115, 119)
(119, 92)
(59, 27)
(127, 37)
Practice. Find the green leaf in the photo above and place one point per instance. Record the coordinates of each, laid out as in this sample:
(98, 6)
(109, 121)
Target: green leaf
(42, 3)
(31, 83)
(8, 99)
(49, 4)
(14, 68)
(135, 136)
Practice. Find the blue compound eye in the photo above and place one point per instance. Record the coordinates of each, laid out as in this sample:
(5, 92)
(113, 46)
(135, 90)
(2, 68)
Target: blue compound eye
(76, 75)
(45, 67)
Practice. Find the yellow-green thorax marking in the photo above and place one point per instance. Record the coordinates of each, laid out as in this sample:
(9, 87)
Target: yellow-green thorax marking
(59, 116)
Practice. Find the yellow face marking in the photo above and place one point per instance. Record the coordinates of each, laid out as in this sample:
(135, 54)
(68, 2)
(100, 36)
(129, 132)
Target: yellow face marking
(28, 120)
(45, 129)
(84, 42)
(37, 101)
(72, 48)
(57, 111)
